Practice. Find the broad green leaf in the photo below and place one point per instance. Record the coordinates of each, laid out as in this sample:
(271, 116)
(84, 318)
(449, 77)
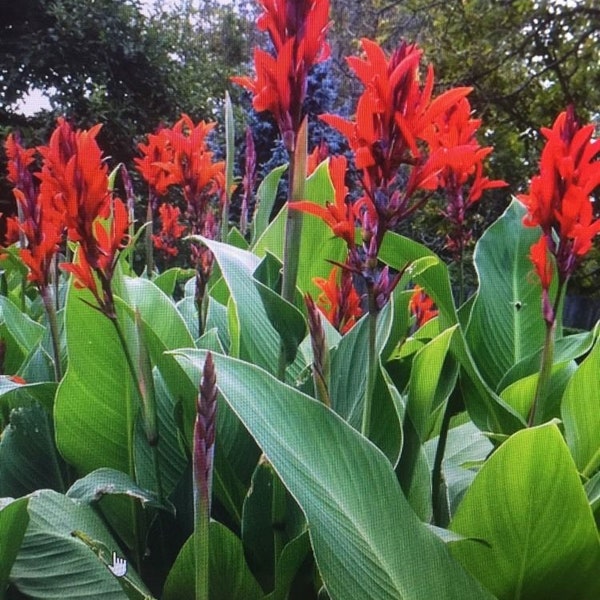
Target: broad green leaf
(166, 281)
(229, 578)
(285, 317)
(528, 504)
(520, 394)
(318, 245)
(348, 383)
(265, 200)
(487, 410)
(290, 561)
(13, 524)
(14, 395)
(580, 412)
(398, 251)
(253, 338)
(432, 379)
(95, 403)
(26, 332)
(102, 482)
(53, 564)
(466, 447)
(28, 457)
(257, 530)
(367, 541)
(506, 319)
(566, 349)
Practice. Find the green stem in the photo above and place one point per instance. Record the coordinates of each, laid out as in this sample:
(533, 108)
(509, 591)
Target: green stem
(293, 223)
(543, 382)
(372, 360)
(130, 421)
(201, 551)
(461, 277)
(50, 308)
(148, 235)
(439, 514)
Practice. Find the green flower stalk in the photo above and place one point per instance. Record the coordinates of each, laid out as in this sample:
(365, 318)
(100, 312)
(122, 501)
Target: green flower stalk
(559, 201)
(203, 460)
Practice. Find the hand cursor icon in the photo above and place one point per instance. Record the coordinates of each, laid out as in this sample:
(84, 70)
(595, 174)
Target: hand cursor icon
(119, 566)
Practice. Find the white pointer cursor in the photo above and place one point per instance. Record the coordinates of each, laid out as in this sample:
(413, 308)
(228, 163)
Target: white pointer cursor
(119, 566)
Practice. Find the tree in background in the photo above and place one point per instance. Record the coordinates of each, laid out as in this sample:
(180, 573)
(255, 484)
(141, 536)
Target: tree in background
(109, 61)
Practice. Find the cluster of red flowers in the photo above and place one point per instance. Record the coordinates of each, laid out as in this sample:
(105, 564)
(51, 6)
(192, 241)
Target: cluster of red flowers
(297, 30)
(404, 141)
(461, 179)
(179, 156)
(72, 201)
(559, 201)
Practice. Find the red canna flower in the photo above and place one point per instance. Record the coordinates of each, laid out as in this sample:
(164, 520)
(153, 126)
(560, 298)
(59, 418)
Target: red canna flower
(191, 165)
(38, 225)
(74, 180)
(339, 215)
(297, 30)
(422, 307)
(110, 235)
(394, 112)
(339, 303)
(559, 198)
(171, 230)
(461, 179)
(156, 153)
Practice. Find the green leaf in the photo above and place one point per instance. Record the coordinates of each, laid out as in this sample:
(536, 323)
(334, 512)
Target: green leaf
(432, 379)
(487, 410)
(349, 378)
(506, 320)
(265, 200)
(566, 349)
(96, 393)
(166, 281)
(287, 320)
(398, 251)
(293, 555)
(26, 332)
(257, 530)
(13, 523)
(102, 482)
(528, 504)
(520, 394)
(367, 541)
(580, 412)
(253, 337)
(28, 457)
(317, 246)
(52, 563)
(229, 579)
(466, 447)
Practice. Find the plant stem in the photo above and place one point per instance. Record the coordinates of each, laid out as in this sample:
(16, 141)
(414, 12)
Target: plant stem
(130, 420)
(545, 371)
(439, 515)
(372, 361)
(46, 294)
(148, 236)
(201, 551)
(543, 382)
(293, 224)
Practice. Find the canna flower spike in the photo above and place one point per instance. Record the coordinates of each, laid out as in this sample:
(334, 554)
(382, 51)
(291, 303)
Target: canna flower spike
(297, 30)
(559, 199)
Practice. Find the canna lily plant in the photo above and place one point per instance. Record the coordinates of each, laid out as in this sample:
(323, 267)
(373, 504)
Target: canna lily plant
(350, 430)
